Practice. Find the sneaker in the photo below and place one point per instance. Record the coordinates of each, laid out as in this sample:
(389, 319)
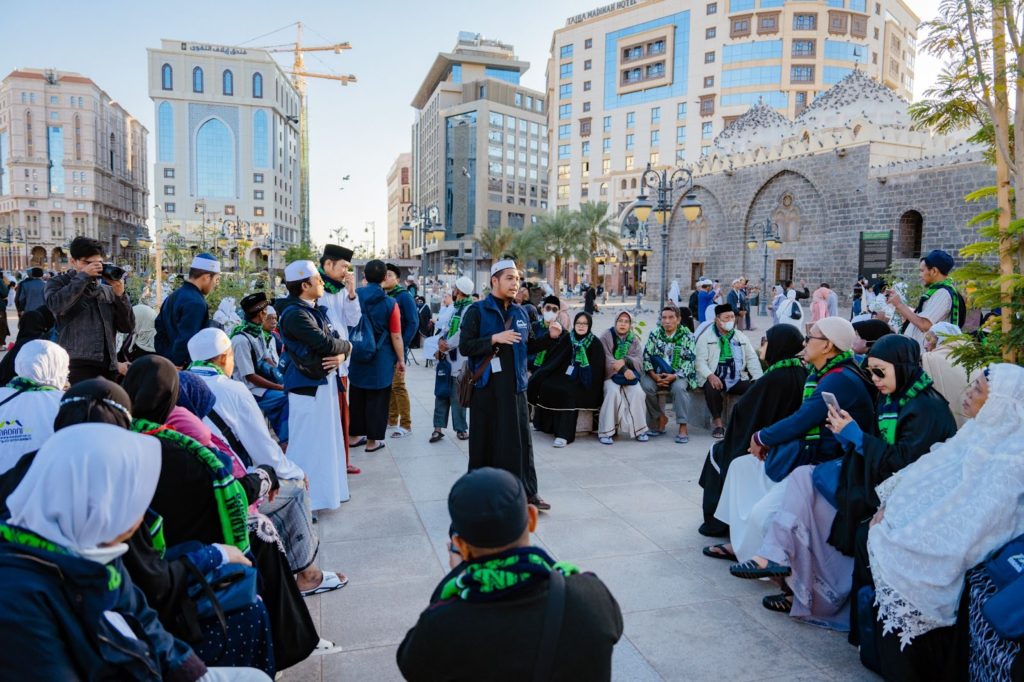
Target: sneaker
(605, 440)
(643, 438)
(560, 443)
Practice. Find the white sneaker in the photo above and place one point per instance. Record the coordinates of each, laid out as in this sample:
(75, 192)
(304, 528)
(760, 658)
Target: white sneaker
(560, 443)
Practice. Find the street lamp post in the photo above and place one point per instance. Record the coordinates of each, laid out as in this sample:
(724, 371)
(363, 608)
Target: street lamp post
(426, 220)
(666, 185)
(769, 237)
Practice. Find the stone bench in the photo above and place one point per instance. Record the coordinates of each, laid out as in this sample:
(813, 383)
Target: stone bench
(697, 414)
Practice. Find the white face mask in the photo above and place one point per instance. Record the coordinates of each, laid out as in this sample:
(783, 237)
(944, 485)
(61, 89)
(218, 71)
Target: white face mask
(104, 555)
(728, 326)
(549, 315)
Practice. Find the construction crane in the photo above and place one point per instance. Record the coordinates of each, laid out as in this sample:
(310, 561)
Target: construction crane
(299, 75)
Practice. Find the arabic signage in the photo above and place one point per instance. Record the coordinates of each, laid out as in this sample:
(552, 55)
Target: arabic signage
(207, 47)
(598, 11)
(875, 253)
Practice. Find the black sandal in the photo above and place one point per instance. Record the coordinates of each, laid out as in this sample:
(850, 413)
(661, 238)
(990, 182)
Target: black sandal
(749, 570)
(718, 433)
(380, 446)
(778, 603)
(463, 435)
(723, 553)
(436, 436)
(359, 443)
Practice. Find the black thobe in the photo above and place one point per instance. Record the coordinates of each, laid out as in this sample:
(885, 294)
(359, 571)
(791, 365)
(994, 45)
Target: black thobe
(499, 435)
(557, 396)
(773, 397)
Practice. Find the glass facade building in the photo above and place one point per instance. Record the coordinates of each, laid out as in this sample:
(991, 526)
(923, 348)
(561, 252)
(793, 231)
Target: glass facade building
(460, 172)
(55, 154)
(215, 161)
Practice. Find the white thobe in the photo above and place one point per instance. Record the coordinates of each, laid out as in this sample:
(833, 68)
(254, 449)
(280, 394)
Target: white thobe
(342, 314)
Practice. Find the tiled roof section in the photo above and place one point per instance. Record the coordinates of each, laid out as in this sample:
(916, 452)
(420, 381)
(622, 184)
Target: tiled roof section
(760, 125)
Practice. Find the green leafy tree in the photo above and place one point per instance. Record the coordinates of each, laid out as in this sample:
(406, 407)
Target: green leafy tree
(301, 252)
(982, 44)
(594, 229)
(495, 241)
(557, 232)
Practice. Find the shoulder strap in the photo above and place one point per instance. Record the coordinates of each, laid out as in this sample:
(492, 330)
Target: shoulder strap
(232, 439)
(12, 396)
(553, 617)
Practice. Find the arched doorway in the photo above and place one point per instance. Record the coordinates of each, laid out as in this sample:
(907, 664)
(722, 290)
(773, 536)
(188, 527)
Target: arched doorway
(38, 256)
(908, 237)
(58, 259)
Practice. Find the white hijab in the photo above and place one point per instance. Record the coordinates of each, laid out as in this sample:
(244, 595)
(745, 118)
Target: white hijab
(145, 327)
(43, 361)
(226, 314)
(946, 512)
(88, 484)
(944, 331)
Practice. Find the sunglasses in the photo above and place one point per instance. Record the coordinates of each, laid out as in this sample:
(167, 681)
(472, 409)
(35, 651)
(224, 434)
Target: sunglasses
(807, 339)
(877, 371)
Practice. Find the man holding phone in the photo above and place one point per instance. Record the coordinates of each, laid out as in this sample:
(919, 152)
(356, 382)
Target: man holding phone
(91, 307)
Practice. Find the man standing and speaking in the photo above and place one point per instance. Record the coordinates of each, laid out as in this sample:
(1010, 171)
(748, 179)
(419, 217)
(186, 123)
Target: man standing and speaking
(495, 338)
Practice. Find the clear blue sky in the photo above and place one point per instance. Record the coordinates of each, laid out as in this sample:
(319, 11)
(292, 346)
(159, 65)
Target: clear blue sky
(355, 130)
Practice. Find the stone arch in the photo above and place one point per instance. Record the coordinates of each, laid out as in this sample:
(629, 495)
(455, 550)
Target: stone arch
(38, 256)
(777, 179)
(908, 235)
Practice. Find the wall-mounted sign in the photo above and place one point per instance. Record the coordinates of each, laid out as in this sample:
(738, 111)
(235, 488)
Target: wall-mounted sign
(206, 47)
(875, 253)
(598, 11)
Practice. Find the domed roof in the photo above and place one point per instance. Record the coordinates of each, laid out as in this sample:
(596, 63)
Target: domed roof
(858, 96)
(760, 126)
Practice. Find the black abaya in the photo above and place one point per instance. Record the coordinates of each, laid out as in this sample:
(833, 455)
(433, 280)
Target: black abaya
(557, 397)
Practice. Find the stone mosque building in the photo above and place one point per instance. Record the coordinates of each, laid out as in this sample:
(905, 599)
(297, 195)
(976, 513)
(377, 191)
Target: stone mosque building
(850, 183)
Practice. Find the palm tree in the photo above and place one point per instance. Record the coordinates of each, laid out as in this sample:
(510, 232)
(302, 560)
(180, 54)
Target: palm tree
(528, 245)
(596, 232)
(556, 233)
(495, 241)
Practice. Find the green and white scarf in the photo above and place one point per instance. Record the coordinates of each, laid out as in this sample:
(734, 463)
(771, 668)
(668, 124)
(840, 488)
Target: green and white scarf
(26, 538)
(623, 345)
(659, 335)
(252, 329)
(456, 322)
(889, 412)
(724, 345)
(579, 349)
(232, 505)
(811, 385)
(208, 365)
(484, 581)
(331, 286)
(788, 362)
(28, 385)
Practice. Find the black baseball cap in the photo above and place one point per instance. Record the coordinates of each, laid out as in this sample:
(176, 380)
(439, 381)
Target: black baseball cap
(488, 508)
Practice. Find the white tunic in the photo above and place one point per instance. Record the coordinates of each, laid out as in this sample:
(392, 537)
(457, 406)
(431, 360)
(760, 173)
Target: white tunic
(342, 313)
(316, 443)
(25, 423)
(749, 500)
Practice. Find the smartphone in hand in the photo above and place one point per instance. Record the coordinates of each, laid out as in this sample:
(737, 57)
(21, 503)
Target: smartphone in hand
(830, 400)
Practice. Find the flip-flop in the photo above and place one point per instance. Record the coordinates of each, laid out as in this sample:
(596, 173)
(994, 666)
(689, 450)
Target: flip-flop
(353, 470)
(682, 440)
(777, 603)
(379, 446)
(605, 440)
(434, 437)
(400, 432)
(655, 434)
(359, 443)
(724, 554)
(718, 433)
(325, 647)
(463, 435)
(749, 570)
(331, 581)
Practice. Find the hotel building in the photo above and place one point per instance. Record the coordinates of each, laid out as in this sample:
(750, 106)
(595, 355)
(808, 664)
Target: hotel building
(72, 162)
(655, 81)
(479, 150)
(227, 149)
(399, 199)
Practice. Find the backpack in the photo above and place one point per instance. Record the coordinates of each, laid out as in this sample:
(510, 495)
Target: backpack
(795, 312)
(365, 342)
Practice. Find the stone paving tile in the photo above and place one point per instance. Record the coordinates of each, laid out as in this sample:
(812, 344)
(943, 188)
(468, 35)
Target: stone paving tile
(372, 523)
(376, 615)
(647, 582)
(365, 665)
(591, 537)
(643, 496)
(381, 561)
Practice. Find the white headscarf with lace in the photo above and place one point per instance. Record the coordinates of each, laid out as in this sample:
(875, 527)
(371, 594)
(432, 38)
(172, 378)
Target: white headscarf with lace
(947, 511)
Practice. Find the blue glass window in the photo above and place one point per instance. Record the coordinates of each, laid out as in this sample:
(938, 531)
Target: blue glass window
(257, 85)
(707, 130)
(55, 150)
(655, 137)
(585, 147)
(801, 74)
(859, 5)
(564, 111)
(765, 4)
(565, 70)
(456, 73)
(630, 119)
(773, 98)
(260, 139)
(847, 52)
(507, 75)
(607, 123)
(805, 22)
(751, 75)
(565, 52)
(834, 74)
(681, 110)
(803, 48)
(228, 79)
(629, 141)
(165, 133)
(564, 151)
(741, 5)
(746, 52)
(606, 144)
(215, 161)
(655, 115)
(681, 130)
(166, 77)
(564, 131)
(835, 3)
(5, 184)
(565, 91)
(197, 79)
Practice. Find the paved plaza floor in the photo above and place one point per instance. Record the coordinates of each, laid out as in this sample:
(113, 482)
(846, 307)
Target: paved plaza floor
(628, 512)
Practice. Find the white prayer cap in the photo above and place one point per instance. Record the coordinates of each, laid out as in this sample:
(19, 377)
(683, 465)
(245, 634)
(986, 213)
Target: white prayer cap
(206, 263)
(738, 280)
(299, 270)
(704, 283)
(207, 344)
(502, 265)
(465, 285)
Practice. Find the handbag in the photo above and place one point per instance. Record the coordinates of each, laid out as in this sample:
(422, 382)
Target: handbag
(442, 380)
(466, 380)
(661, 365)
(223, 590)
(1006, 570)
(620, 376)
(783, 458)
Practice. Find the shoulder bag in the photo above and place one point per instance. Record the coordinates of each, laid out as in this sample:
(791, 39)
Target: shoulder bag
(466, 380)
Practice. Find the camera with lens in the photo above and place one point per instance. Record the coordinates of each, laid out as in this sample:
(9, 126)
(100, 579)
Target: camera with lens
(112, 272)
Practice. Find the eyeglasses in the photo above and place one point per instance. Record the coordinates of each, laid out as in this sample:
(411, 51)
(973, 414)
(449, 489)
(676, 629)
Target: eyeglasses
(807, 339)
(764, 340)
(877, 371)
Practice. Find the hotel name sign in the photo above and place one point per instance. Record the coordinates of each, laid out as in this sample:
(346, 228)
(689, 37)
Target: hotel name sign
(598, 11)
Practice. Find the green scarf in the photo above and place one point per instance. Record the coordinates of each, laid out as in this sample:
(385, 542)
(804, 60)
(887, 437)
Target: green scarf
(954, 295)
(492, 579)
(208, 365)
(26, 538)
(252, 329)
(399, 289)
(331, 286)
(155, 522)
(579, 348)
(677, 344)
(28, 385)
(812, 384)
(232, 505)
(889, 412)
(788, 362)
(622, 346)
(538, 360)
(724, 345)
(460, 309)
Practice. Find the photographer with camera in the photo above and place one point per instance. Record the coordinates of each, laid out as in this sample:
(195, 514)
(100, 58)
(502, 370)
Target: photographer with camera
(91, 307)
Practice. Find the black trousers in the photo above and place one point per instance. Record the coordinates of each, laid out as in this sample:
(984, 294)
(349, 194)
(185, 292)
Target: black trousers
(715, 398)
(368, 411)
(80, 370)
(499, 434)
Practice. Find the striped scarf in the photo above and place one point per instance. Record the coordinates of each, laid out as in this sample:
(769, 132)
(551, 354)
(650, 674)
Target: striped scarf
(460, 309)
(788, 362)
(252, 329)
(28, 385)
(232, 505)
(812, 384)
(623, 345)
(199, 364)
(889, 412)
(676, 340)
(579, 349)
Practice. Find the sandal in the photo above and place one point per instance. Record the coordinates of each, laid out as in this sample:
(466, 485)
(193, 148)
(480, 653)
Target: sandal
(359, 443)
(463, 435)
(682, 439)
(400, 432)
(605, 440)
(721, 553)
(434, 437)
(353, 470)
(718, 432)
(325, 647)
(779, 603)
(643, 438)
(328, 583)
(749, 570)
(379, 446)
